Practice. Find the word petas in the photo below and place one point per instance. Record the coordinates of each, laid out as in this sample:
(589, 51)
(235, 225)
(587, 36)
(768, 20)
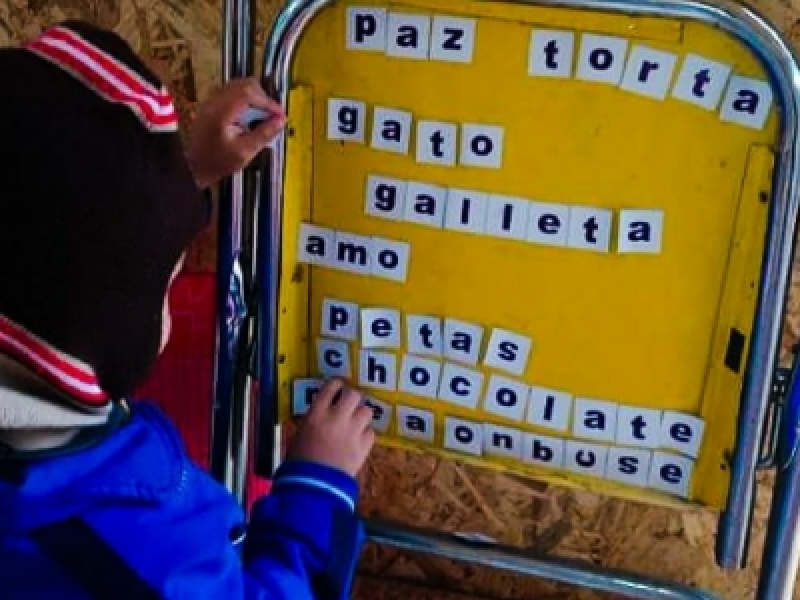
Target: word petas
(602, 59)
(501, 216)
(481, 145)
(452, 382)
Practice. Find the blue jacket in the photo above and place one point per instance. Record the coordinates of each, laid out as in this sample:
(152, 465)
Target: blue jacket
(143, 504)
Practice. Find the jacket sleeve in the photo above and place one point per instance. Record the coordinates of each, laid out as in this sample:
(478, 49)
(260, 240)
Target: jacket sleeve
(305, 537)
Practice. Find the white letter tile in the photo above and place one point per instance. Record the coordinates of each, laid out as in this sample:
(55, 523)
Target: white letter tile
(551, 53)
(543, 451)
(352, 253)
(333, 358)
(481, 146)
(595, 420)
(420, 376)
(415, 423)
(386, 197)
(463, 436)
(506, 398)
(747, 102)
(377, 370)
(548, 224)
(671, 473)
(466, 211)
(628, 465)
(425, 204)
(640, 231)
(382, 413)
(380, 328)
(424, 335)
(436, 143)
(649, 72)
(682, 432)
(452, 39)
(303, 393)
(586, 459)
(507, 217)
(460, 385)
(339, 319)
(638, 427)
(315, 245)
(366, 28)
(409, 36)
(346, 120)
(701, 81)
(508, 351)
(602, 58)
(502, 441)
(589, 228)
(390, 259)
(391, 130)
(462, 341)
(550, 408)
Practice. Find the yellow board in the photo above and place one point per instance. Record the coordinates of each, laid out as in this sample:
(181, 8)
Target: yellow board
(634, 330)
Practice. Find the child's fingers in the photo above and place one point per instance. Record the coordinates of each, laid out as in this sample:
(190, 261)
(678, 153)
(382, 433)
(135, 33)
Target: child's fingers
(368, 438)
(363, 417)
(255, 140)
(259, 98)
(348, 403)
(326, 395)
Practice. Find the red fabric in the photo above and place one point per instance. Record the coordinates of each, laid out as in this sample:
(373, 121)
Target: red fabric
(58, 369)
(107, 76)
(182, 380)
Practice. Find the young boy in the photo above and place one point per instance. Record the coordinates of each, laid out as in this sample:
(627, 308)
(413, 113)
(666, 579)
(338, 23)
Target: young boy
(98, 499)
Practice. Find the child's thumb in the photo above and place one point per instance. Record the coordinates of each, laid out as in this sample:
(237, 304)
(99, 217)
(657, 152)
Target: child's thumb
(259, 137)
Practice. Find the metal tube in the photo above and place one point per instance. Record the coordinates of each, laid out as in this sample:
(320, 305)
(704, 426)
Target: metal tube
(753, 30)
(231, 408)
(511, 559)
(781, 548)
(777, 57)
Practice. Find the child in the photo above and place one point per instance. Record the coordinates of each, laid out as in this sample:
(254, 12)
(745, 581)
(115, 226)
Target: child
(98, 499)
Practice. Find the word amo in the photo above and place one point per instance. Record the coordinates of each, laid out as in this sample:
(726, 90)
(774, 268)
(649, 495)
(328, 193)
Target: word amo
(363, 255)
(437, 141)
(469, 211)
(460, 341)
(603, 59)
(659, 470)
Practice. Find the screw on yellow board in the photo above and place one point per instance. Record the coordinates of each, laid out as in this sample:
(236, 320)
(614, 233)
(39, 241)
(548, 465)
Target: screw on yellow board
(663, 331)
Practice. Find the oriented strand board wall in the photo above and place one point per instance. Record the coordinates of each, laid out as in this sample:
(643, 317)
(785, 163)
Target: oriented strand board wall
(181, 39)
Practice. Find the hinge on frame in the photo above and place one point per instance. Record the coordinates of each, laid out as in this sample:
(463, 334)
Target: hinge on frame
(770, 440)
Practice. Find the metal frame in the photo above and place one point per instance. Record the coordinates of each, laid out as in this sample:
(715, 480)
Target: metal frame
(232, 410)
(254, 355)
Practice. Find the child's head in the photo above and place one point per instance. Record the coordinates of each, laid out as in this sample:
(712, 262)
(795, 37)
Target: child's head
(98, 206)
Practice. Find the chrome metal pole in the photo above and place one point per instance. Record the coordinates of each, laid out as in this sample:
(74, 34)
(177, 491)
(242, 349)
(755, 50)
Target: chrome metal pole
(778, 58)
(231, 399)
(575, 573)
(781, 557)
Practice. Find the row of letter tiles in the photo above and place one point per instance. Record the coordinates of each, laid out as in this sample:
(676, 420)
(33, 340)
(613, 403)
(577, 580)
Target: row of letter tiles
(502, 216)
(461, 341)
(663, 471)
(604, 59)
(363, 255)
(511, 399)
(426, 335)
(436, 141)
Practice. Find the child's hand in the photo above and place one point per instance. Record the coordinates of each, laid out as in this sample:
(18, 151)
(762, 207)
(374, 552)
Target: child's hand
(218, 144)
(337, 435)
